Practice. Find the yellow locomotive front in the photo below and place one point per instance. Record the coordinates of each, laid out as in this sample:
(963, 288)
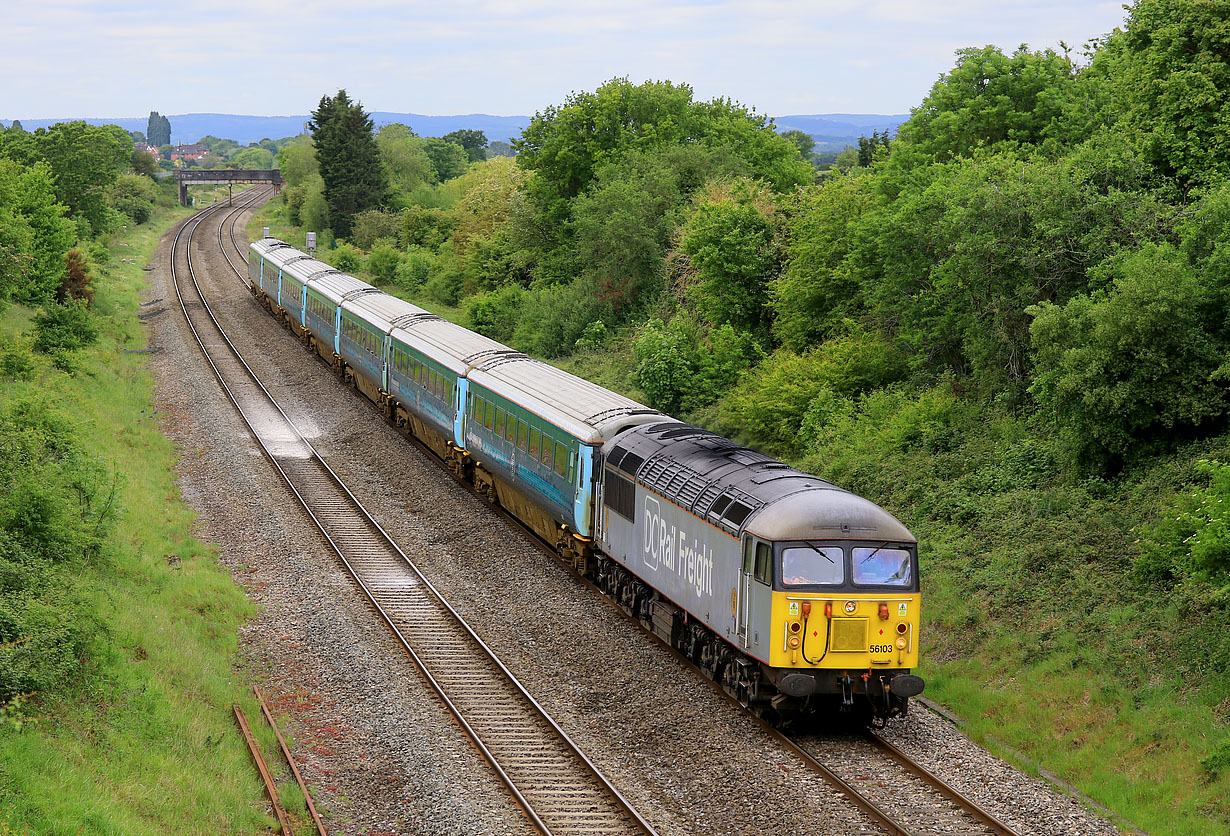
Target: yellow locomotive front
(864, 641)
(841, 614)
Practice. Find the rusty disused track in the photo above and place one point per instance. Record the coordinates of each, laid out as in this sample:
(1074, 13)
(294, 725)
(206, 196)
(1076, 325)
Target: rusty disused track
(561, 791)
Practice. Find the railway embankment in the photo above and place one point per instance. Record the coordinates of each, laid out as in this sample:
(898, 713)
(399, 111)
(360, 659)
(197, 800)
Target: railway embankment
(119, 628)
(1069, 620)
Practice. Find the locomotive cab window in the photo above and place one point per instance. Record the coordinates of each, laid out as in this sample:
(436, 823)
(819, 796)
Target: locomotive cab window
(808, 564)
(882, 566)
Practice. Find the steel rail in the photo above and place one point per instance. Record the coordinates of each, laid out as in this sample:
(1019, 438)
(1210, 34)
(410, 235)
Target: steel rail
(937, 783)
(863, 802)
(576, 808)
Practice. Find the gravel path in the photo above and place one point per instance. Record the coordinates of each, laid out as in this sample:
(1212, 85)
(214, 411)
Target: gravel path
(381, 753)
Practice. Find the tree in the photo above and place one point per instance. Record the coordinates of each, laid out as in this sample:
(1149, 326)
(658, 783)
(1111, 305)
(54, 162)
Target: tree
(990, 99)
(1172, 79)
(802, 141)
(475, 143)
(567, 144)
(34, 233)
(729, 238)
(1128, 366)
(143, 162)
(448, 159)
(867, 148)
(405, 158)
(158, 129)
(85, 160)
(349, 160)
(254, 157)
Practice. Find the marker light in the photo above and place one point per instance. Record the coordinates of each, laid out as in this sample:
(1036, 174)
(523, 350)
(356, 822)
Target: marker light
(794, 642)
(902, 627)
(883, 611)
(901, 642)
(795, 626)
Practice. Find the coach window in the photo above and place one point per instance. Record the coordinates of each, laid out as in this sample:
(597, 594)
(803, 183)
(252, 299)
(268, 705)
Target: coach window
(764, 562)
(489, 418)
(523, 434)
(510, 428)
(499, 422)
(548, 450)
(535, 436)
(561, 460)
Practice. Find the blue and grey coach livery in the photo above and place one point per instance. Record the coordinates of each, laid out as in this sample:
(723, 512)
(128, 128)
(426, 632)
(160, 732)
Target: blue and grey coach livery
(793, 594)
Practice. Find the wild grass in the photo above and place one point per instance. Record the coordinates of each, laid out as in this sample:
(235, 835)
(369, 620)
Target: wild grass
(145, 742)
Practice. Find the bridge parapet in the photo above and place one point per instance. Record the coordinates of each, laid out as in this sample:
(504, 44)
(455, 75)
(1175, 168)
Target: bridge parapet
(224, 177)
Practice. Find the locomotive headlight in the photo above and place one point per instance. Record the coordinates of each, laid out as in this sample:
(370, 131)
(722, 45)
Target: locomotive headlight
(794, 642)
(901, 642)
(850, 605)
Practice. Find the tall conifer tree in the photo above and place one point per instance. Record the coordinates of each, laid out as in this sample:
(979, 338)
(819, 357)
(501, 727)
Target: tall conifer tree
(349, 160)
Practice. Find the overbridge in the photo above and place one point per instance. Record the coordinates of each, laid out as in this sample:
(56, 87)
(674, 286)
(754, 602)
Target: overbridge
(224, 177)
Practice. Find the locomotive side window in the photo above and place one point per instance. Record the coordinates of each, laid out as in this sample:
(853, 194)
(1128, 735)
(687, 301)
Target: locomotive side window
(620, 495)
(882, 566)
(810, 564)
(764, 562)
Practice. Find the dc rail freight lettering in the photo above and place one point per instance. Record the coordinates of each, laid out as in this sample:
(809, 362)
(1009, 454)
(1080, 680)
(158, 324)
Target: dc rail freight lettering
(793, 594)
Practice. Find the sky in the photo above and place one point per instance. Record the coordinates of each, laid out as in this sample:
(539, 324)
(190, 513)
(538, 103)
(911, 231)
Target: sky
(124, 58)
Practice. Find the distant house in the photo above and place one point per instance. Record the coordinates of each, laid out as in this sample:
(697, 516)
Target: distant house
(189, 153)
(149, 149)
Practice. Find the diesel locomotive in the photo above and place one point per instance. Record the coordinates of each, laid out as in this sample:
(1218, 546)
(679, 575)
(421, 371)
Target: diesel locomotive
(793, 594)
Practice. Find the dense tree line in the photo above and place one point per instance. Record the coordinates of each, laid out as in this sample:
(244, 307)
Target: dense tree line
(62, 187)
(1020, 301)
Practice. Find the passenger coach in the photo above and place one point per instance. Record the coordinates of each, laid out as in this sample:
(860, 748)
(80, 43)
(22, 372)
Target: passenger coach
(789, 591)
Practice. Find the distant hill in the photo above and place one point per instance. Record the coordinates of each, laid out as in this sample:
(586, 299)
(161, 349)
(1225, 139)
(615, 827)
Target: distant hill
(832, 131)
(190, 127)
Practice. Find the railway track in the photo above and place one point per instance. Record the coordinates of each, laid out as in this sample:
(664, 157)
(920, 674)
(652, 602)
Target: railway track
(552, 780)
(899, 795)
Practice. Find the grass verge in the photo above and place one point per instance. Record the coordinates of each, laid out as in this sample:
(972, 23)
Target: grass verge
(143, 741)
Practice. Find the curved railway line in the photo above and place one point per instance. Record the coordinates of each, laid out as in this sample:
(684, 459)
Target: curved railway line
(560, 790)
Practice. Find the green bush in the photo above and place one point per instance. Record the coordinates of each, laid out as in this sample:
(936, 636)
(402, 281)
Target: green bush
(60, 328)
(345, 258)
(414, 269)
(553, 319)
(17, 362)
(1191, 538)
(383, 261)
(682, 366)
(495, 314)
(770, 403)
(1123, 368)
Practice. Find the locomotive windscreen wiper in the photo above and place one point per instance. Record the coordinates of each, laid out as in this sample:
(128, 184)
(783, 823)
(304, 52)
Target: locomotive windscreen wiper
(818, 551)
(873, 552)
